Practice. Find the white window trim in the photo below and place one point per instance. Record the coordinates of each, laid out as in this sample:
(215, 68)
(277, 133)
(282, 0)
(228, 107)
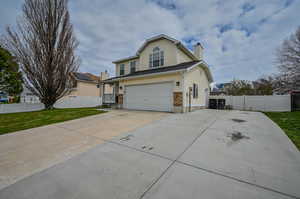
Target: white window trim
(160, 58)
(135, 63)
(123, 69)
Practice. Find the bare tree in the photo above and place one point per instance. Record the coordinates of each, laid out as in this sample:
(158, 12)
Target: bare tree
(288, 60)
(44, 44)
(239, 87)
(263, 86)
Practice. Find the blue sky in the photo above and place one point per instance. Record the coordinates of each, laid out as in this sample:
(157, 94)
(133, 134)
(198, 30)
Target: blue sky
(240, 37)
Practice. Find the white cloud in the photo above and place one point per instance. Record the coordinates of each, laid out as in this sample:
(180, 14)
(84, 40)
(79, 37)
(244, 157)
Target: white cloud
(244, 49)
(118, 29)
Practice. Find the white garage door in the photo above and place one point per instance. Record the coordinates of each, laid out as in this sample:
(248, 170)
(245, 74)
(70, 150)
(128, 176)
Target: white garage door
(156, 97)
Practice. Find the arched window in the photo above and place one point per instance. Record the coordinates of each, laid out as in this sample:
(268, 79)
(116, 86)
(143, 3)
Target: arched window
(156, 58)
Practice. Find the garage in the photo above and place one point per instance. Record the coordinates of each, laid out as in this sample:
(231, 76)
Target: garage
(154, 97)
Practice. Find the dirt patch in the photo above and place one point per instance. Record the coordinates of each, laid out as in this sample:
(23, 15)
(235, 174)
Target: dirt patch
(237, 136)
(238, 120)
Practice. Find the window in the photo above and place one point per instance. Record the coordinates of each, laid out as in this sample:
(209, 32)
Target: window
(150, 61)
(161, 58)
(195, 91)
(156, 59)
(132, 66)
(122, 69)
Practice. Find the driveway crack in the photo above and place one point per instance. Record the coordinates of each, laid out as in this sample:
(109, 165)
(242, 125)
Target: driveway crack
(177, 158)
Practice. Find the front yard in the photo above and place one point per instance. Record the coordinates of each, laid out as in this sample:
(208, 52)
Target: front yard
(290, 123)
(20, 121)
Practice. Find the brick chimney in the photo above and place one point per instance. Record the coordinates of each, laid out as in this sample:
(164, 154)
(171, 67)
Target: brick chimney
(198, 51)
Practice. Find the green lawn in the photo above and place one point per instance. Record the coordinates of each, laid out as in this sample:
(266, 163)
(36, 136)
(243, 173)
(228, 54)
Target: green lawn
(19, 121)
(290, 123)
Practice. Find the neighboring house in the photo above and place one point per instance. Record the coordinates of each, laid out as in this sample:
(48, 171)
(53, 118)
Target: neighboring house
(84, 84)
(163, 76)
(87, 84)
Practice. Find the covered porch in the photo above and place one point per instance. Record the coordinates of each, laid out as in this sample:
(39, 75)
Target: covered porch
(109, 92)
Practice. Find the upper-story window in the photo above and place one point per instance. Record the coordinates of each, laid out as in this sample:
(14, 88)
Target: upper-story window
(122, 69)
(156, 58)
(132, 66)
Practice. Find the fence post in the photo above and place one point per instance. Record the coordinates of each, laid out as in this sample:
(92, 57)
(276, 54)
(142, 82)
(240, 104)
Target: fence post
(245, 102)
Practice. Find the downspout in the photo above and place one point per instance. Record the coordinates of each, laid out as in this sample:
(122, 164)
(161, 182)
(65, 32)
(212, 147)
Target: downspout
(183, 91)
(188, 92)
(190, 100)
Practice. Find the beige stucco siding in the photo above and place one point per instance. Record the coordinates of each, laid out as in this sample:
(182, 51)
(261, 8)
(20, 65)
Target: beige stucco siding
(85, 89)
(182, 57)
(197, 76)
(127, 66)
(172, 56)
(170, 51)
(154, 79)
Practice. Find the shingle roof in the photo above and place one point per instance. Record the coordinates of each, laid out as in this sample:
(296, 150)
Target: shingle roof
(86, 77)
(180, 66)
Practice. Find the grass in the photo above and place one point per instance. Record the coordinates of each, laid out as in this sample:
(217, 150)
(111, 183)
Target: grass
(12, 122)
(290, 123)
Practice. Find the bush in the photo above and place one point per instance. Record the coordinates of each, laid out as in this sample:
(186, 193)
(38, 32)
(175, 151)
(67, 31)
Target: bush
(16, 99)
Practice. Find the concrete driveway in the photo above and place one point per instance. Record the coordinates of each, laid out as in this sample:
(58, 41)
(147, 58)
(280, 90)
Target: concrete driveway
(26, 152)
(204, 154)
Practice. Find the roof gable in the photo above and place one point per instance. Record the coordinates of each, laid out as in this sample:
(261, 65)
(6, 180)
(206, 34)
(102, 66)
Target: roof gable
(177, 43)
(156, 38)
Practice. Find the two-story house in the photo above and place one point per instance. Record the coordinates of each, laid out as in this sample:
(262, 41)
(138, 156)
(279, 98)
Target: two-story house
(163, 76)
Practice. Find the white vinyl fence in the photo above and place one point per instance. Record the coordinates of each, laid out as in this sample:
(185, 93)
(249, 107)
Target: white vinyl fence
(21, 107)
(66, 102)
(78, 102)
(276, 103)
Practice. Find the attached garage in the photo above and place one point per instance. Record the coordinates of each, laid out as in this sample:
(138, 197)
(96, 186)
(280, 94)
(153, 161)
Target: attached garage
(154, 97)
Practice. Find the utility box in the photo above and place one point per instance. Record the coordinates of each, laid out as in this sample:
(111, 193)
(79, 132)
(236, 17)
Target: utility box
(217, 103)
(212, 103)
(221, 103)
